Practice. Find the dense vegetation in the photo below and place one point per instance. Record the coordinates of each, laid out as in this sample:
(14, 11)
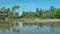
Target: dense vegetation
(9, 13)
(52, 13)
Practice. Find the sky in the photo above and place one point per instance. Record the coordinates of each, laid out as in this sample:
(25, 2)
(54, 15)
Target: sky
(30, 5)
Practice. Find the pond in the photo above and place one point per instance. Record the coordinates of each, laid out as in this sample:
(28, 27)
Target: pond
(20, 27)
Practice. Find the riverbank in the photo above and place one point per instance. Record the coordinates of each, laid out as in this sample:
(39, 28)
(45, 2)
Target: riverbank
(37, 20)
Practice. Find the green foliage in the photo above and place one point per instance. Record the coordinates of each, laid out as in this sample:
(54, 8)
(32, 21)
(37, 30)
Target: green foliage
(15, 7)
(52, 13)
(9, 13)
(6, 19)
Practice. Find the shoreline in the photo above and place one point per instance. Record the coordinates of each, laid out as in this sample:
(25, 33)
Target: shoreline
(37, 20)
(34, 20)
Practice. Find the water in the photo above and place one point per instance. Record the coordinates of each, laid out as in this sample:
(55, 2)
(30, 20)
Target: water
(14, 27)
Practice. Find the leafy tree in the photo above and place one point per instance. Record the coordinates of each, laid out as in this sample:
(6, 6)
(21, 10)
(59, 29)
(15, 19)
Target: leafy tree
(37, 10)
(14, 10)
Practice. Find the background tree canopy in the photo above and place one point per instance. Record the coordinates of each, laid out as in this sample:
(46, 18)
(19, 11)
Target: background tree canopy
(52, 13)
(10, 13)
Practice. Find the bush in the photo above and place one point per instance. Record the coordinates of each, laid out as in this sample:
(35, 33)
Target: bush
(6, 19)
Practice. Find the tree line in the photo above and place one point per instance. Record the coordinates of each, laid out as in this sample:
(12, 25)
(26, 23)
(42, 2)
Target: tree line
(51, 13)
(9, 13)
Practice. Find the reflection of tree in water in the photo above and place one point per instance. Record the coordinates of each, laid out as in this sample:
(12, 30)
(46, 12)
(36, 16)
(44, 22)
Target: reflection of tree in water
(28, 24)
(7, 26)
(52, 26)
(39, 25)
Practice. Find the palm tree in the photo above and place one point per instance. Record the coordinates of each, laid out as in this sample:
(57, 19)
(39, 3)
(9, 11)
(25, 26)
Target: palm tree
(3, 12)
(3, 9)
(14, 9)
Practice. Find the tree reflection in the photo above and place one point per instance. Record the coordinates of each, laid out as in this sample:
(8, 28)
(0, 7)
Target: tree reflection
(41, 25)
(8, 26)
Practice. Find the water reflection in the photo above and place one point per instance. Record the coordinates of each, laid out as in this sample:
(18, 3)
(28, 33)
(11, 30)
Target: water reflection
(6, 27)
(17, 27)
(46, 28)
(52, 25)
